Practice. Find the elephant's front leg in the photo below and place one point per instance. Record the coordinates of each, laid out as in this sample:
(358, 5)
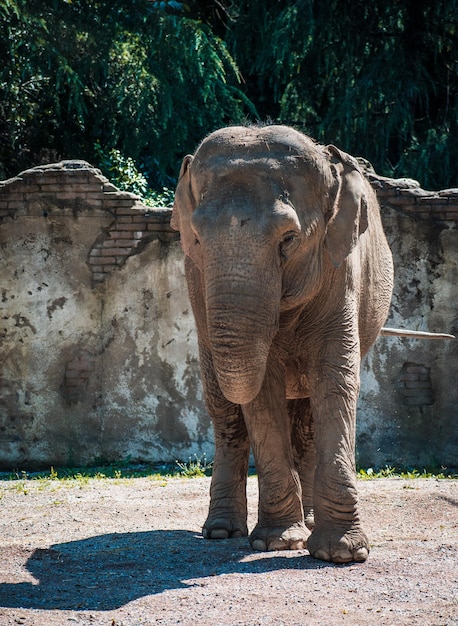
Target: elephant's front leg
(338, 535)
(227, 516)
(280, 514)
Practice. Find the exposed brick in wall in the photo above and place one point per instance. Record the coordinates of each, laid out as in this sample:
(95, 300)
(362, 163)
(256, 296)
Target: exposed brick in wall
(127, 235)
(77, 186)
(415, 385)
(407, 196)
(77, 374)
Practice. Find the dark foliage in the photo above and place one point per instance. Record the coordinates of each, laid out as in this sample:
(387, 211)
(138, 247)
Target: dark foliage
(379, 79)
(149, 79)
(119, 74)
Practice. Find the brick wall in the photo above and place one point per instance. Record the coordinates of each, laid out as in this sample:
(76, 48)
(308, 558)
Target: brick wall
(415, 385)
(77, 186)
(130, 231)
(78, 371)
(90, 362)
(407, 196)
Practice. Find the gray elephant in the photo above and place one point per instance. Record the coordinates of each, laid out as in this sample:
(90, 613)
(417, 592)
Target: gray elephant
(290, 279)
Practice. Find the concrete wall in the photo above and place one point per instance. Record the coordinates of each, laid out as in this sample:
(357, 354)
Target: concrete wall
(98, 348)
(408, 408)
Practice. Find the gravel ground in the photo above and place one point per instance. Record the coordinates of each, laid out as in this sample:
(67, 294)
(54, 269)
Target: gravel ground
(129, 552)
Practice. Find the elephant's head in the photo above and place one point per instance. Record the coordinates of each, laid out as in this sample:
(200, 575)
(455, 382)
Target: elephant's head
(258, 209)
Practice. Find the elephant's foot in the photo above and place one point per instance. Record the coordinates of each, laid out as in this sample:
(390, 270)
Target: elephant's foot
(224, 527)
(292, 537)
(338, 546)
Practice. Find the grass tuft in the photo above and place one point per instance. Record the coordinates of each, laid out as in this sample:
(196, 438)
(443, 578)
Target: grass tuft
(195, 468)
(392, 472)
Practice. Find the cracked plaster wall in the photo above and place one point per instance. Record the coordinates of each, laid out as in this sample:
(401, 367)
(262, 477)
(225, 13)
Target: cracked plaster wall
(408, 407)
(98, 348)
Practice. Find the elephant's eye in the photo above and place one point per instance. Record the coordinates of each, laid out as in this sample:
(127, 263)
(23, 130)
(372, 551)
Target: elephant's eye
(288, 243)
(289, 238)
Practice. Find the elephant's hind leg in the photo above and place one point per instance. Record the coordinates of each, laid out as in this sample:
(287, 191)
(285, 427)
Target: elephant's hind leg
(303, 445)
(280, 514)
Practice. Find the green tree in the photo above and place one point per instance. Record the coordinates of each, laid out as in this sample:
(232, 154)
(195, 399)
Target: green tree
(380, 79)
(150, 78)
(125, 74)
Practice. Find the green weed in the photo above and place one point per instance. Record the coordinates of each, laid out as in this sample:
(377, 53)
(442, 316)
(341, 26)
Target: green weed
(411, 473)
(195, 468)
(81, 476)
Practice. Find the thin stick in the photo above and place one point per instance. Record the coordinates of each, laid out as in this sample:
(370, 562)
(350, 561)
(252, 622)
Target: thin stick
(415, 334)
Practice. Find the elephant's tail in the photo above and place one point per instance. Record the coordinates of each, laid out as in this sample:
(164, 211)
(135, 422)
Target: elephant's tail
(415, 334)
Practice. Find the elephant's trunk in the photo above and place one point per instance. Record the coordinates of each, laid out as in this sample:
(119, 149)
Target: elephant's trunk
(242, 321)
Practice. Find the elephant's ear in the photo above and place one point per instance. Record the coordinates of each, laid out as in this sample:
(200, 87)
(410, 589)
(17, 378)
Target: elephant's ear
(348, 216)
(183, 206)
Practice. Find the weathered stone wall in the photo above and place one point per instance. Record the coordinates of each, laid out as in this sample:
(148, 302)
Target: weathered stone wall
(98, 350)
(408, 409)
(98, 347)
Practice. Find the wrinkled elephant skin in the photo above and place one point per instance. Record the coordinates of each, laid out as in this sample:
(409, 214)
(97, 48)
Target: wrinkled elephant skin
(290, 279)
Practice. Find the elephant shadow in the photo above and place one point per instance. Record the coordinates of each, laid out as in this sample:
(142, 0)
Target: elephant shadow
(105, 572)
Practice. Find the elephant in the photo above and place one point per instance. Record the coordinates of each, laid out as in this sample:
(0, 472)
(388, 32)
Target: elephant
(290, 279)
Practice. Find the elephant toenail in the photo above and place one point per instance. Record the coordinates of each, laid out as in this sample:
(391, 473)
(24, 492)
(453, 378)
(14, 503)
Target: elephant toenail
(277, 544)
(219, 533)
(259, 545)
(361, 554)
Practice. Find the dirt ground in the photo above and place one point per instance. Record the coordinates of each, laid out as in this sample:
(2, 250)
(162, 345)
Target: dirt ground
(129, 552)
